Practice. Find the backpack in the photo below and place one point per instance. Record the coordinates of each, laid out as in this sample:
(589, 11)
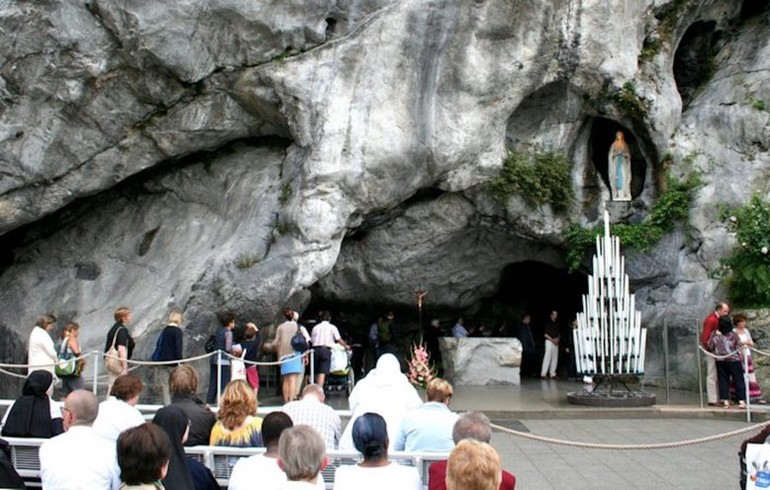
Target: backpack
(211, 343)
(158, 348)
(299, 342)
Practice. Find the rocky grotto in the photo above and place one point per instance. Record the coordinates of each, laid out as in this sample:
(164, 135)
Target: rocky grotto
(244, 156)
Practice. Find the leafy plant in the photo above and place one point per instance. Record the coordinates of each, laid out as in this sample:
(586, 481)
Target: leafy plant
(629, 101)
(758, 104)
(285, 193)
(542, 177)
(748, 268)
(670, 208)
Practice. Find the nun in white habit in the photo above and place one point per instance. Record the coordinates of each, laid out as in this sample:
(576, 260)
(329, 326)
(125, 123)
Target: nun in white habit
(386, 391)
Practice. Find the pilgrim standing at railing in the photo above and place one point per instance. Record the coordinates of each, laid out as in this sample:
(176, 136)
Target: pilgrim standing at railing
(224, 343)
(69, 345)
(41, 353)
(119, 336)
(169, 347)
(710, 324)
(724, 342)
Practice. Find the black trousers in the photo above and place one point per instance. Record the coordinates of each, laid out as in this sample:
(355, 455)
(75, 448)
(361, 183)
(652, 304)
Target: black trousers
(726, 370)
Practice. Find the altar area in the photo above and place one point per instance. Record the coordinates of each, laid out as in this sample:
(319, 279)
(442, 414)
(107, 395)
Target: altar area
(481, 361)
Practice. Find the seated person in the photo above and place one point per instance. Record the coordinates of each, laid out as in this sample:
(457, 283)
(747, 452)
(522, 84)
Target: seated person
(9, 478)
(470, 425)
(428, 428)
(302, 456)
(119, 411)
(183, 471)
(264, 467)
(473, 465)
(79, 458)
(375, 472)
(34, 414)
(143, 455)
(183, 383)
(238, 424)
(311, 410)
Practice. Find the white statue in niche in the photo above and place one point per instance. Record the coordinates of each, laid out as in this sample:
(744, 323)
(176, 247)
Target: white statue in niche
(619, 169)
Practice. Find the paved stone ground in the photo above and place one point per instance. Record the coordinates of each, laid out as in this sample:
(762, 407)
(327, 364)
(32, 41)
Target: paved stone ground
(547, 466)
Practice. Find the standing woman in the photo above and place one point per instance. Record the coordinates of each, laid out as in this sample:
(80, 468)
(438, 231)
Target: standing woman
(724, 342)
(169, 348)
(69, 347)
(744, 337)
(41, 353)
(292, 365)
(119, 336)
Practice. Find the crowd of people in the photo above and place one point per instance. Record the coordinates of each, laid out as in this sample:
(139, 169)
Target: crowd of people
(109, 444)
(729, 340)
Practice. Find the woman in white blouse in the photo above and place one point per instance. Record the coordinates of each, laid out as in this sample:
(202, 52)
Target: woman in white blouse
(41, 353)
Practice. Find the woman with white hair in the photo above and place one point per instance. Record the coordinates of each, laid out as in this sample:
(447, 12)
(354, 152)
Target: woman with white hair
(386, 391)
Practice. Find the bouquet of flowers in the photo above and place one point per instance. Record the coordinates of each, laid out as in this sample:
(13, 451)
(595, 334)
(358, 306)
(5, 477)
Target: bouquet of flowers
(420, 369)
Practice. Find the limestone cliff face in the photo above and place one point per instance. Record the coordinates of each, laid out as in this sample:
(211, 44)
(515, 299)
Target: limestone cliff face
(225, 155)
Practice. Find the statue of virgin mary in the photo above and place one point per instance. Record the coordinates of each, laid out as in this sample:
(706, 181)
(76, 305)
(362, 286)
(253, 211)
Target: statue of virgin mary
(619, 169)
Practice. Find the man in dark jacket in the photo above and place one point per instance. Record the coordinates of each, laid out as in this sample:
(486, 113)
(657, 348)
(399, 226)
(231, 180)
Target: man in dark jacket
(184, 385)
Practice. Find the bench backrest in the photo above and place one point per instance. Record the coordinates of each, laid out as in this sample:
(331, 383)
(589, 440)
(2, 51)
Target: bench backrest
(221, 460)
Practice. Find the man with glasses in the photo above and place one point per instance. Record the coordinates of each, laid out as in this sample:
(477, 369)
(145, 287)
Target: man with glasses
(79, 458)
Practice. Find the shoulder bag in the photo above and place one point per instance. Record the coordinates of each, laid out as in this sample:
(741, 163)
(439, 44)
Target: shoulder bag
(112, 360)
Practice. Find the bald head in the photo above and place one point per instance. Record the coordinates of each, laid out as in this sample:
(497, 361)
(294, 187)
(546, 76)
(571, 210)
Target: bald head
(82, 407)
(315, 391)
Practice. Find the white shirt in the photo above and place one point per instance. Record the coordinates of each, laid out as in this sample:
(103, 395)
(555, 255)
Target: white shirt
(323, 418)
(325, 334)
(390, 477)
(262, 469)
(427, 428)
(79, 460)
(41, 354)
(114, 417)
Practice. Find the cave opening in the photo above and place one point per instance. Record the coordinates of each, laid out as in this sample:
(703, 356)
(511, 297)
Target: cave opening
(523, 287)
(694, 59)
(535, 288)
(600, 139)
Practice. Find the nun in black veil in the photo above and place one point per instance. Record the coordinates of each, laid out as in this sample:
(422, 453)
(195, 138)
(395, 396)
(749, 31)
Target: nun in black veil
(184, 473)
(33, 414)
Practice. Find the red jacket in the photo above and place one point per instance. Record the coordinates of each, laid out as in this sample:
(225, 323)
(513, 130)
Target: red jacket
(437, 475)
(710, 323)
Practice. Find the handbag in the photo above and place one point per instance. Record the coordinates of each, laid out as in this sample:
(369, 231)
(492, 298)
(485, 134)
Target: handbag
(112, 360)
(299, 342)
(68, 365)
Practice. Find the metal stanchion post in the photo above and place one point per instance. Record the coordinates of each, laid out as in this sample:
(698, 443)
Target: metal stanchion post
(95, 386)
(746, 383)
(219, 375)
(700, 365)
(665, 359)
(312, 367)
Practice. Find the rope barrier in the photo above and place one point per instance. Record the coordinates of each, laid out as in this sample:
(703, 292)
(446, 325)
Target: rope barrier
(718, 357)
(15, 375)
(267, 363)
(628, 447)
